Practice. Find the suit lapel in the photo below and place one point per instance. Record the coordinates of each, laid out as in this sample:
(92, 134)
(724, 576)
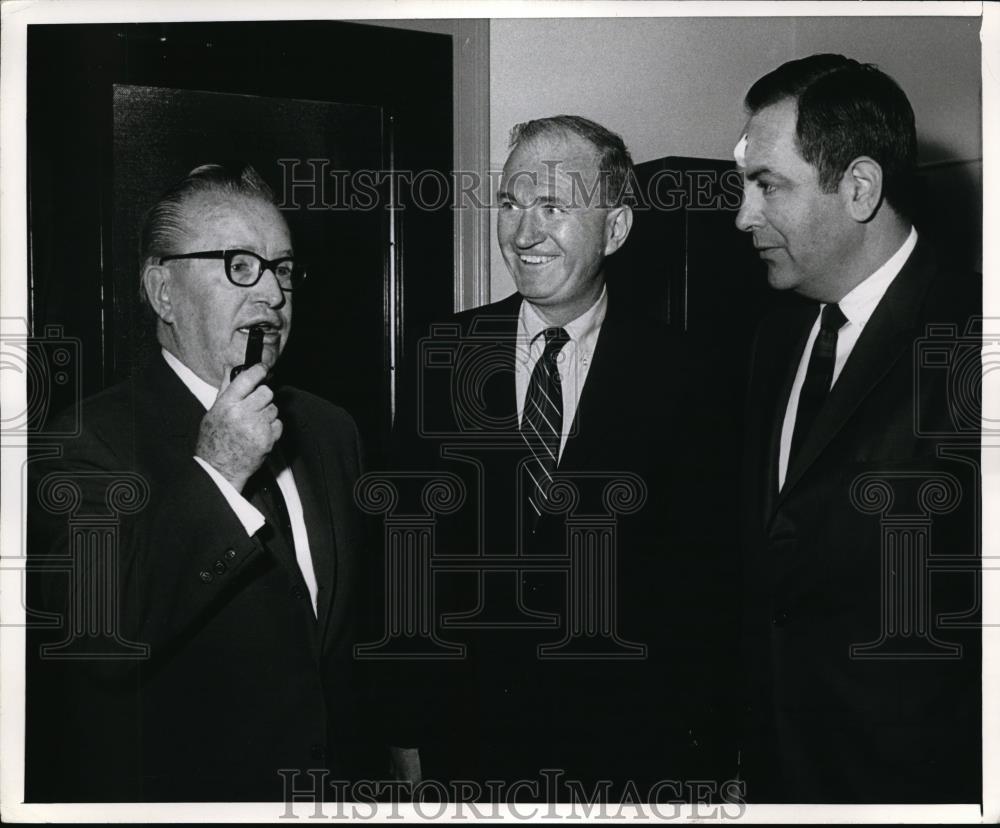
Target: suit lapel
(333, 503)
(885, 339)
(498, 331)
(178, 410)
(311, 483)
(608, 379)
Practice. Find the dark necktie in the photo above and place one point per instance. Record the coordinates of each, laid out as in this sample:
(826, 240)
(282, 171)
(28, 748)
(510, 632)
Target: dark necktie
(819, 375)
(541, 424)
(262, 490)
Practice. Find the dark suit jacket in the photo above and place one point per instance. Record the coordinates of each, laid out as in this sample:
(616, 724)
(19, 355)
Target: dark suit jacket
(507, 710)
(831, 563)
(241, 679)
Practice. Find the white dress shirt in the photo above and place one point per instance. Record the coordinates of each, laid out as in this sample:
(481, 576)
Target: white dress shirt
(858, 306)
(574, 358)
(248, 514)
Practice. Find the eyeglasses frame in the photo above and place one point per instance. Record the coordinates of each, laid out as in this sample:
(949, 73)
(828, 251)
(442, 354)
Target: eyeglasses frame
(227, 257)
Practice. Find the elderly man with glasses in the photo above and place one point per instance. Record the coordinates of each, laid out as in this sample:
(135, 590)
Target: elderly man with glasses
(229, 675)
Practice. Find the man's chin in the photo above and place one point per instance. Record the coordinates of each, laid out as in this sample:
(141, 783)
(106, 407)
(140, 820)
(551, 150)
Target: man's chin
(780, 278)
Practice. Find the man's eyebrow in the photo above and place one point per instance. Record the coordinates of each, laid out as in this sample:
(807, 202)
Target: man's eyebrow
(757, 172)
(552, 198)
(254, 248)
(542, 199)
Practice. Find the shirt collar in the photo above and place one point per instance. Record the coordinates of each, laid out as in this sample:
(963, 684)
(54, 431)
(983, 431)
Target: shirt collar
(582, 331)
(859, 304)
(205, 393)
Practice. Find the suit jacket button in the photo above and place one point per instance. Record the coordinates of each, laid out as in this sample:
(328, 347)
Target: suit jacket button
(298, 592)
(230, 554)
(780, 618)
(316, 752)
(206, 576)
(219, 567)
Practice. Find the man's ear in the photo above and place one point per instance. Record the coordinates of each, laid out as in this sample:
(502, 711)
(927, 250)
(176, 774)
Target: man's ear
(861, 186)
(617, 225)
(156, 284)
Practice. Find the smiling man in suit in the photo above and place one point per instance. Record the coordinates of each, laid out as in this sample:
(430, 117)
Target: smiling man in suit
(864, 669)
(562, 414)
(226, 655)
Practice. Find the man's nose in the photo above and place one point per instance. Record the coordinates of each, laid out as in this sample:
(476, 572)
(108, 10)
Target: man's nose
(748, 216)
(268, 290)
(528, 228)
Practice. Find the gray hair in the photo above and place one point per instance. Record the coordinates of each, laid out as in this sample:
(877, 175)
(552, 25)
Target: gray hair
(164, 224)
(615, 162)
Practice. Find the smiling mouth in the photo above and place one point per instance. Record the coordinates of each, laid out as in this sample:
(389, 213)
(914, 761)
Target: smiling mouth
(536, 260)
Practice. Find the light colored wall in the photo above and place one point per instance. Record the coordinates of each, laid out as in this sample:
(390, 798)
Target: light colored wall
(674, 86)
(935, 60)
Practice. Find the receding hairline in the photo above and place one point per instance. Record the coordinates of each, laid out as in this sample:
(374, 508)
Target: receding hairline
(560, 134)
(589, 154)
(203, 209)
(204, 205)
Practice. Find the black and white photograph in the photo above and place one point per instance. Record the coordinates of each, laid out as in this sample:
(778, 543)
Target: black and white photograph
(499, 411)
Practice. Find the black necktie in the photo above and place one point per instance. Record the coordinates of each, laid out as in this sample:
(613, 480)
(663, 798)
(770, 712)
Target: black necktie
(262, 490)
(819, 375)
(541, 424)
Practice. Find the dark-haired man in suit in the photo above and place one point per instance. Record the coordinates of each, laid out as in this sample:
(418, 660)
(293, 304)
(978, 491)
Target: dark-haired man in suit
(233, 584)
(861, 691)
(565, 416)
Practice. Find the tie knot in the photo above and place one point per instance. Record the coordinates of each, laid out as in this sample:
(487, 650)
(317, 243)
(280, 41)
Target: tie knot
(555, 338)
(832, 319)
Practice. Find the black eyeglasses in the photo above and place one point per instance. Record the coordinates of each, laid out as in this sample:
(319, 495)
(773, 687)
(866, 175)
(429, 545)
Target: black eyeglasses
(244, 267)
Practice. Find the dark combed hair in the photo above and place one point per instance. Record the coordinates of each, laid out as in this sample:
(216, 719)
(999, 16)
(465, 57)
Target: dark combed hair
(846, 109)
(164, 223)
(615, 162)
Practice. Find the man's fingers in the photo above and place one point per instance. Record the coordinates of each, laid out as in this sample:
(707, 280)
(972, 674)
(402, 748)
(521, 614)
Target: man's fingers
(260, 398)
(227, 369)
(276, 429)
(246, 382)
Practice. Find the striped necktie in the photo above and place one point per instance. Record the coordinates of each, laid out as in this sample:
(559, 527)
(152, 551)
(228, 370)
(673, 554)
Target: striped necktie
(541, 424)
